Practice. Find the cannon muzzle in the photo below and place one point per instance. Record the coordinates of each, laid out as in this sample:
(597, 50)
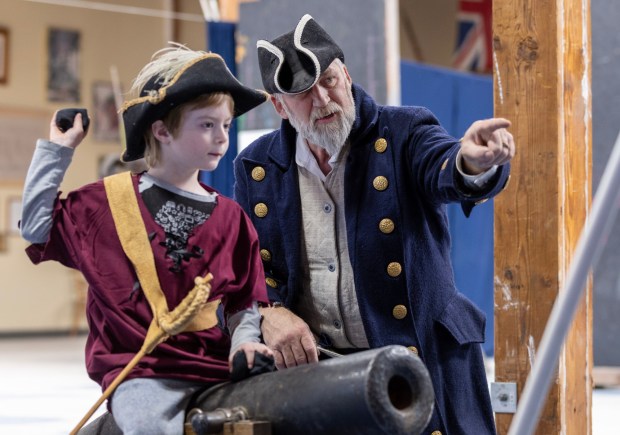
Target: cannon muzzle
(379, 391)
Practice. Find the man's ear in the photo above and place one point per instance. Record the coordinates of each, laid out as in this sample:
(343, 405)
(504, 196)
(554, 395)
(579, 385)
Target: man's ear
(277, 104)
(160, 131)
(346, 73)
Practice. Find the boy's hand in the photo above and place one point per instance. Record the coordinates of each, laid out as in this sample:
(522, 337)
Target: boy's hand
(70, 138)
(249, 349)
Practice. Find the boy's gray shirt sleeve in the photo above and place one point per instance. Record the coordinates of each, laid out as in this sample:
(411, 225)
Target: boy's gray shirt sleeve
(47, 170)
(244, 327)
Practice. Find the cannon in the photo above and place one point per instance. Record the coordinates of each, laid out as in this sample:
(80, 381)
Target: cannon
(380, 391)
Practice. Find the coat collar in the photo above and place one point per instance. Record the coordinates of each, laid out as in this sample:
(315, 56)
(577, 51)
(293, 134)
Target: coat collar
(366, 115)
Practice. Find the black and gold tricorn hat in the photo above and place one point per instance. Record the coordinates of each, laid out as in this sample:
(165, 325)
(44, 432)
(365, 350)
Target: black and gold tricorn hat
(204, 74)
(292, 63)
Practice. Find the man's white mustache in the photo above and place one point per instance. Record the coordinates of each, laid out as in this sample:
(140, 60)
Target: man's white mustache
(330, 109)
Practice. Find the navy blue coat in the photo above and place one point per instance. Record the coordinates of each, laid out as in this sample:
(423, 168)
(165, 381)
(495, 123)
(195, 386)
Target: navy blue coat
(418, 162)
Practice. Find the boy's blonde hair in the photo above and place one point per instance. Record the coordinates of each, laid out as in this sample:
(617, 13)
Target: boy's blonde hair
(163, 67)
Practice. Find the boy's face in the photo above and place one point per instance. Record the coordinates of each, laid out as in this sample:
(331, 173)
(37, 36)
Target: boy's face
(201, 139)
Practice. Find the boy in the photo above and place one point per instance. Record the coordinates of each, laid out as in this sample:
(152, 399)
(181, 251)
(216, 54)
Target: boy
(179, 122)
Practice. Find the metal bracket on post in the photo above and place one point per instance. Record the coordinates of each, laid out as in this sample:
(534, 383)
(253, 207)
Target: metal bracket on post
(504, 397)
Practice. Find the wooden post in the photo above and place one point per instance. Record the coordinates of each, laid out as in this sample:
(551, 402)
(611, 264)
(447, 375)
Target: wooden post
(542, 75)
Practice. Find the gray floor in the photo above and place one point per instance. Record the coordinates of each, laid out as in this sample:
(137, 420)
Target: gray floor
(44, 389)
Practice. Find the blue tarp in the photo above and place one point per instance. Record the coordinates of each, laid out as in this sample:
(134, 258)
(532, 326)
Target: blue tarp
(221, 39)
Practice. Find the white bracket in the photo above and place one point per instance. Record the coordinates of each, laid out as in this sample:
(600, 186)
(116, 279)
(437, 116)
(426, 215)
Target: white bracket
(504, 397)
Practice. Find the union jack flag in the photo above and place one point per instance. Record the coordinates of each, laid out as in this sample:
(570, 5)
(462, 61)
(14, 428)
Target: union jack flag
(473, 49)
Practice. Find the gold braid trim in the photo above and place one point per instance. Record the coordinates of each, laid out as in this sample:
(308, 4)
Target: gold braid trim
(161, 92)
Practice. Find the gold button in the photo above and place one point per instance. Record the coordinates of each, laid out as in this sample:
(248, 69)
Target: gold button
(265, 255)
(271, 282)
(399, 312)
(386, 226)
(260, 210)
(380, 183)
(394, 269)
(380, 145)
(413, 349)
(482, 201)
(258, 173)
(445, 165)
(436, 432)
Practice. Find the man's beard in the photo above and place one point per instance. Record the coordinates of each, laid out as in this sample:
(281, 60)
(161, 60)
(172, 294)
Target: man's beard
(331, 136)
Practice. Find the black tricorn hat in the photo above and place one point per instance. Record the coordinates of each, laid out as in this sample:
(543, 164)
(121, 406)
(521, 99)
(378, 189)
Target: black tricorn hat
(292, 63)
(204, 74)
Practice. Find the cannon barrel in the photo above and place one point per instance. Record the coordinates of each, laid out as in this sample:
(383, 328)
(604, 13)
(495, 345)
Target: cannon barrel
(380, 391)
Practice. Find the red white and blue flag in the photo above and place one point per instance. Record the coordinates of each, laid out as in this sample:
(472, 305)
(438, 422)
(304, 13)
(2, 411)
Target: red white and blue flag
(473, 49)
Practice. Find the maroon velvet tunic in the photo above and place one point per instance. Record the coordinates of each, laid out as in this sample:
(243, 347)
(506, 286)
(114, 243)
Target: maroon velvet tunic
(83, 237)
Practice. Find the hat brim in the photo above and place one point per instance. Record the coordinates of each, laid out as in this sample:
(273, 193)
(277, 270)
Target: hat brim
(293, 63)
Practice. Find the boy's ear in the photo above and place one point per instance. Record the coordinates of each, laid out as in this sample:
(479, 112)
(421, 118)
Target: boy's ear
(160, 131)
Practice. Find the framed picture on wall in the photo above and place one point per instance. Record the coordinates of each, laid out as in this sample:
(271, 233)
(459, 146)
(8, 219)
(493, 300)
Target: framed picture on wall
(63, 62)
(104, 116)
(4, 55)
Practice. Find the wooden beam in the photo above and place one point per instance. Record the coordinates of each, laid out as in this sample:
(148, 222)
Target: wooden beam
(542, 84)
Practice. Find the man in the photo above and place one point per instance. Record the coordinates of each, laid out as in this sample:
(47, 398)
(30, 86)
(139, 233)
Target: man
(348, 198)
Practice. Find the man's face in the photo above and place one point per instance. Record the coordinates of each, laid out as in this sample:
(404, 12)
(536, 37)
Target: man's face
(324, 114)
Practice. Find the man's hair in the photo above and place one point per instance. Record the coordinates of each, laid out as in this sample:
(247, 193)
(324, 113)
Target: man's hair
(164, 66)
